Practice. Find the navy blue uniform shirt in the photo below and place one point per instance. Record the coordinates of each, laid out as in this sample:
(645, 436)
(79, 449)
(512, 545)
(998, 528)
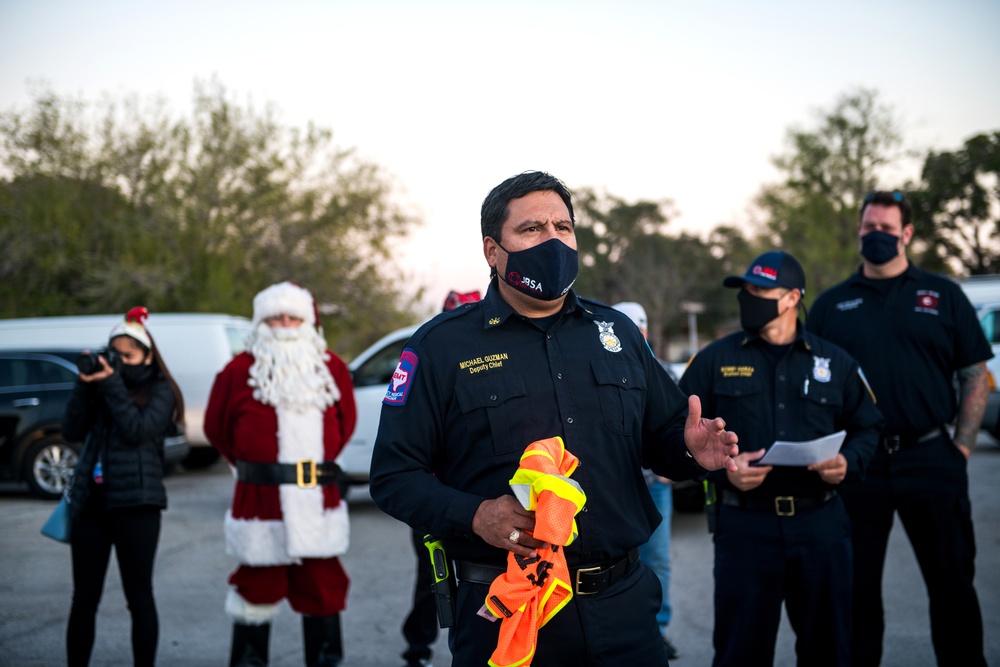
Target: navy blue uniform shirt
(805, 391)
(911, 334)
(478, 384)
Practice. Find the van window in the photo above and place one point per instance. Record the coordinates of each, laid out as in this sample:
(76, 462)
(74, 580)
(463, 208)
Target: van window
(380, 366)
(989, 322)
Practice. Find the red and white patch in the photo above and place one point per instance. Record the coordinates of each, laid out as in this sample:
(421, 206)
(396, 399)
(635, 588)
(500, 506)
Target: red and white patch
(927, 302)
(765, 271)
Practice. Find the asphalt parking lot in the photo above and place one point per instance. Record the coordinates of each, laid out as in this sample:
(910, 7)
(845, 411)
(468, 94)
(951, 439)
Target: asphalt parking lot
(191, 571)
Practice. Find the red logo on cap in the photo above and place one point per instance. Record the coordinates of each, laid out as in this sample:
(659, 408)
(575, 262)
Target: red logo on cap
(767, 272)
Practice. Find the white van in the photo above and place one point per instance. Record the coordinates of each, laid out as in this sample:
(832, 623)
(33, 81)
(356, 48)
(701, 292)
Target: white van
(195, 347)
(984, 293)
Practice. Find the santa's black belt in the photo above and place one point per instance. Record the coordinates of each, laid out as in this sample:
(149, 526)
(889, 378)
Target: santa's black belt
(304, 473)
(780, 505)
(586, 580)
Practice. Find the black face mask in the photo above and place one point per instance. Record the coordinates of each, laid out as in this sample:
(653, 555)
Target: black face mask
(134, 375)
(879, 247)
(755, 311)
(544, 272)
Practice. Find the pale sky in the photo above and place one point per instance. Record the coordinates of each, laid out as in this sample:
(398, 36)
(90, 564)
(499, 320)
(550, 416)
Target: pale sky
(645, 100)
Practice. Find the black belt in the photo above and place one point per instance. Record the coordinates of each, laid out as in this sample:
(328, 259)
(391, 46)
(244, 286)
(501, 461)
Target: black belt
(304, 473)
(893, 443)
(780, 505)
(586, 580)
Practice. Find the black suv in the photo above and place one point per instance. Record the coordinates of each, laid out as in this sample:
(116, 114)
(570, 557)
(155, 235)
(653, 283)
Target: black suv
(34, 388)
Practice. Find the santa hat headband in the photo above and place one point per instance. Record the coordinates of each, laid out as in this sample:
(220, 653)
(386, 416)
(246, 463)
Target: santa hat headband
(133, 327)
(285, 298)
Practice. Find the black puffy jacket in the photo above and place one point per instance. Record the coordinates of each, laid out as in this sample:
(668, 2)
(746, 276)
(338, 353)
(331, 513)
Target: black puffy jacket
(129, 440)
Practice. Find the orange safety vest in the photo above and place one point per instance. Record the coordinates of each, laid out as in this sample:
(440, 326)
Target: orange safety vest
(533, 590)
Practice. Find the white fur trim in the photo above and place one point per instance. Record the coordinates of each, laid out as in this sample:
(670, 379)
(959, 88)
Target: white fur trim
(286, 298)
(248, 613)
(307, 529)
(133, 330)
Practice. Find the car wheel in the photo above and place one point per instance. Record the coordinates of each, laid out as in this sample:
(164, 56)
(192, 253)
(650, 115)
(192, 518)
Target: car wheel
(48, 466)
(200, 457)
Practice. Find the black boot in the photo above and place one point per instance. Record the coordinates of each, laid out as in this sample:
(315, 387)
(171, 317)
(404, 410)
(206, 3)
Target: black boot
(324, 647)
(250, 645)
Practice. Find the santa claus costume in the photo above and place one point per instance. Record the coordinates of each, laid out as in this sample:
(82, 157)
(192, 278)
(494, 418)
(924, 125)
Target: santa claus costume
(280, 413)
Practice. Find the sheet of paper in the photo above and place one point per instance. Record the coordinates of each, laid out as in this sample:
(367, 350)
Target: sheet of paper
(787, 453)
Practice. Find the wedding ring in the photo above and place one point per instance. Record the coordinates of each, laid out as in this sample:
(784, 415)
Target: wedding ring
(514, 536)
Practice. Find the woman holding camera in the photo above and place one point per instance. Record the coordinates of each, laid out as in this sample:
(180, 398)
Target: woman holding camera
(124, 405)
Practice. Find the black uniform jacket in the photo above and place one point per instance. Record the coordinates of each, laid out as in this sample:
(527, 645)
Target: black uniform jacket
(911, 334)
(128, 439)
(478, 384)
(813, 390)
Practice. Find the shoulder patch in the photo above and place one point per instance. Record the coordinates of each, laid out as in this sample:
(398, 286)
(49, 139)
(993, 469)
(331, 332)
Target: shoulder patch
(402, 378)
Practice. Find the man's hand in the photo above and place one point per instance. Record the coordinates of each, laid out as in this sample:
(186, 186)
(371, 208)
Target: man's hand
(746, 476)
(496, 519)
(711, 445)
(831, 471)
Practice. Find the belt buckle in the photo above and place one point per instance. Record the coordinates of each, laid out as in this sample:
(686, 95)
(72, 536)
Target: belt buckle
(788, 501)
(585, 570)
(892, 443)
(300, 467)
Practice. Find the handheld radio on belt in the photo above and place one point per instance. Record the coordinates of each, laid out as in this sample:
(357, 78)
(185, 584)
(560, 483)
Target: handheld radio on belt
(444, 582)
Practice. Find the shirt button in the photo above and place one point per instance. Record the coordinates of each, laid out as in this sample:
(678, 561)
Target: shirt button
(781, 377)
(549, 336)
(493, 397)
(585, 509)
(569, 420)
(781, 406)
(624, 380)
(559, 375)
(781, 433)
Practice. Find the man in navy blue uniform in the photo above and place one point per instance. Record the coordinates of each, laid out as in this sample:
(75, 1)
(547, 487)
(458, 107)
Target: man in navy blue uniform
(781, 531)
(912, 331)
(533, 360)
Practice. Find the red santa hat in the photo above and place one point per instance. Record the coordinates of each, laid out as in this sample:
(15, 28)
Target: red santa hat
(133, 327)
(456, 299)
(285, 298)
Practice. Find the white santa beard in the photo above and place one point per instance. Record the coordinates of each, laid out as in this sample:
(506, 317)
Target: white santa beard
(290, 369)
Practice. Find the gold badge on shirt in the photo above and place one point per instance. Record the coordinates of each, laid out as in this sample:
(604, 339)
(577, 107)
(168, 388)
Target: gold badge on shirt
(606, 334)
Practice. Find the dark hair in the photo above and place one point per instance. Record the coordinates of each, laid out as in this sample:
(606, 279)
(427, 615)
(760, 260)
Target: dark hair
(887, 198)
(495, 207)
(141, 393)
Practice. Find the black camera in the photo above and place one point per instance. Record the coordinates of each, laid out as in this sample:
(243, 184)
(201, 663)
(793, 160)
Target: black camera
(88, 363)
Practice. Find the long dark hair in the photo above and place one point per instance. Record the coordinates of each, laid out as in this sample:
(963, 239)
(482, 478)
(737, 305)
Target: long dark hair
(141, 393)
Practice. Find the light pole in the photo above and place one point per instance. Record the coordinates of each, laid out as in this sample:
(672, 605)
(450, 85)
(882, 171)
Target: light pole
(692, 308)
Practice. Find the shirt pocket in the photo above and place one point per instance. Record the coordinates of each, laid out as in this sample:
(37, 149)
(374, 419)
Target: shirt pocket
(744, 405)
(822, 405)
(621, 390)
(493, 399)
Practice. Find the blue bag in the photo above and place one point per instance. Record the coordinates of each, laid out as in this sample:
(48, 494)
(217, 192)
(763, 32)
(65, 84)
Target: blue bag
(60, 522)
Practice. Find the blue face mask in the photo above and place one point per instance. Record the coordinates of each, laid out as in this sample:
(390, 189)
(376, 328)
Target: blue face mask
(544, 272)
(879, 247)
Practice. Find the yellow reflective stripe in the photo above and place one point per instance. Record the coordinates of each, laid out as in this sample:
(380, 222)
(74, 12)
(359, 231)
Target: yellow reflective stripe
(563, 487)
(537, 452)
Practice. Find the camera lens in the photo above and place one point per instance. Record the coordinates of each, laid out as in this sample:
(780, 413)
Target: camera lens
(88, 363)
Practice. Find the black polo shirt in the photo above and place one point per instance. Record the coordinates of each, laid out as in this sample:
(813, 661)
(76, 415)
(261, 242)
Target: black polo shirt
(477, 385)
(804, 391)
(910, 334)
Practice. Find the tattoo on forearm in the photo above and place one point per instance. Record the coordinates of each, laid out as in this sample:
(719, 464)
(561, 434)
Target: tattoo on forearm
(973, 388)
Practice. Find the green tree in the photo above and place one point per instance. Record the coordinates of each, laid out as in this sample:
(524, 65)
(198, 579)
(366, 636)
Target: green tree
(106, 205)
(813, 212)
(626, 254)
(957, 205)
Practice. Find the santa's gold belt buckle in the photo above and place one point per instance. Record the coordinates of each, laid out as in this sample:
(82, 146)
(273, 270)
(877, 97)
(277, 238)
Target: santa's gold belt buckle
(300, 472)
